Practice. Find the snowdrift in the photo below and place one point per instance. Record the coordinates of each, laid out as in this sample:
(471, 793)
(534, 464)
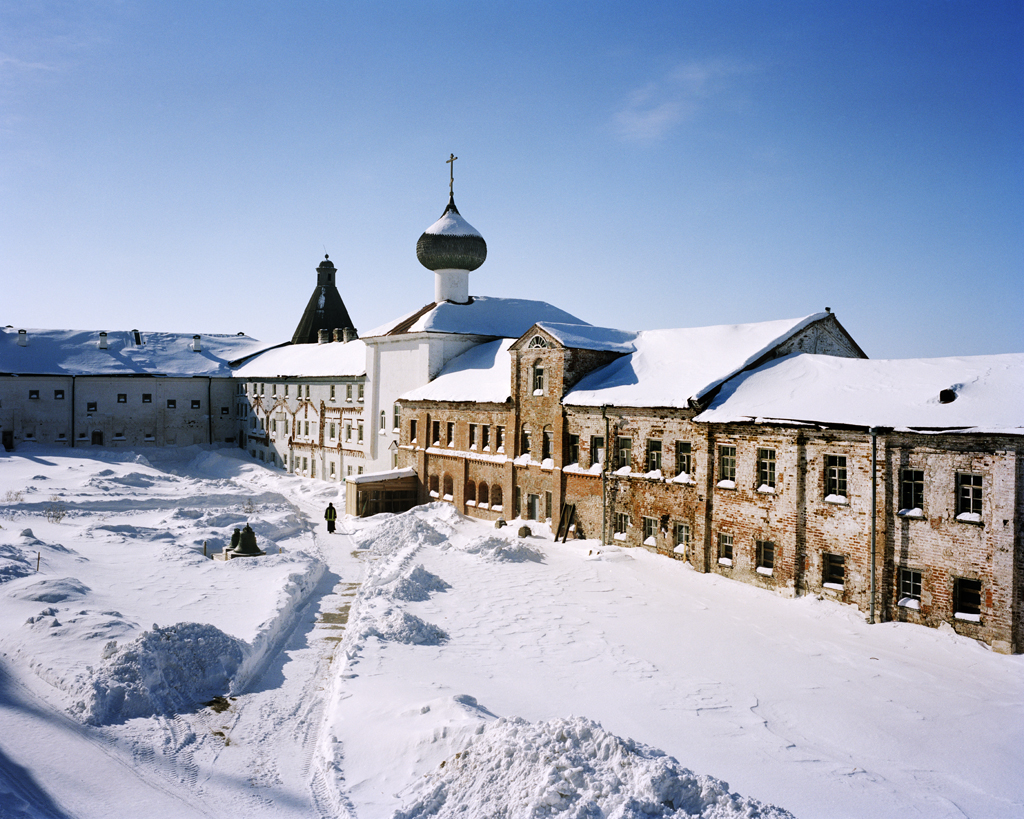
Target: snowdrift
(575, 769)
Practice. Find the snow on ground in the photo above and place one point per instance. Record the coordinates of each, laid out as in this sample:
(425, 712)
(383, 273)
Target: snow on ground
(429, 665)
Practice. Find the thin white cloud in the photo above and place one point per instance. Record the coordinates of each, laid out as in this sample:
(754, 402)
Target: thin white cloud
(8, 63)
(653, 111)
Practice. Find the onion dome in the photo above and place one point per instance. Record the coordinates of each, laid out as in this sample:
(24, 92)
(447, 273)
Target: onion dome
(451, 243)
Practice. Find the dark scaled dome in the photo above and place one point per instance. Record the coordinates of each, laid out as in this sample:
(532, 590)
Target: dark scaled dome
(451, 243)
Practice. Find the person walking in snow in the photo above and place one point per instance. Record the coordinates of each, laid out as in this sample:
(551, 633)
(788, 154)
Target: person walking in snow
(330, 515)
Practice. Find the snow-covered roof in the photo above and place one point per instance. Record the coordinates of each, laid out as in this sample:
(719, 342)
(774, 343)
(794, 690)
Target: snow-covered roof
(483, 316)
(587, 337)
(482, 373)
(386, 475)
(451, 223)
(77, 352)
(669, 367)
(899, 393)
(307, 361)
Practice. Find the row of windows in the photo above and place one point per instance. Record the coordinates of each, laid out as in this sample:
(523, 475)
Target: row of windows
(969, 493)
(303, 429)
(479, 435)
(358, 390)
(122, 398)
(476, 494)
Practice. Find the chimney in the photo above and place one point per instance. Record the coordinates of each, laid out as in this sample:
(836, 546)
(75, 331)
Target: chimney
(103, 339)
(338, 334)
(197, 347)
(23, 338)
(350, 334)
(323, 336)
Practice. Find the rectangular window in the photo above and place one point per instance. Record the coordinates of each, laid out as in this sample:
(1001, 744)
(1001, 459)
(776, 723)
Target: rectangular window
(58, 395)
(765, 556)
(305, 464)
(273, 389)
(90, 406)
(273, 425)
(435, 433)
(332, 462)
(910, 588)
(683, 536)
(412, 431)
(451, 433)
(485, 436)
(765, 469)
(305, 430)
(912, 489)
(725, 548)
(285, 426)
(596, 449)
(263, 389)
(574, 449)
(147, 398)
(195, 403)
(359, 431)
(285, 390)
(359, 392)
(33, 394)
(547, 445)
(653, 455)
(348, 430)
(307, 392)
(122, 398)
(621, 523)
(332, 398)
(396, 417)
(348, 392)
(684, 463)
(727, 465)
(332, 430)
(171, 403)
(968, 496)
(548, 503)
(835, 476)
(538, 379)
(650, 527)
(623, 452)
(472, 436)
(966, 599)
(499, 438)
(833, 571)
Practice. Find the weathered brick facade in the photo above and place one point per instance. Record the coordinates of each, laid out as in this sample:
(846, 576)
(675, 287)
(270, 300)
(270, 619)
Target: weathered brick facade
(782, 506)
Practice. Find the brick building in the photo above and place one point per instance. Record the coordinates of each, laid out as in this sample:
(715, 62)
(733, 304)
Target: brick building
(748, 451)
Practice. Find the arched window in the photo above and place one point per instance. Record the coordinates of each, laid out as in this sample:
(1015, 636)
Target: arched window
(470, 492)
(449, 492)
(496, 497)
(526, 439)
(432, 482)
(482, 498)
(547, 444)
(383, 420)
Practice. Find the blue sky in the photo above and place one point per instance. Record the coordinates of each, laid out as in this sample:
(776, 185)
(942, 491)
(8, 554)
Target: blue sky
(183, 166)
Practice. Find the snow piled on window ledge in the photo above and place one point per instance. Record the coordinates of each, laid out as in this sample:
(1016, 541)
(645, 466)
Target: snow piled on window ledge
(971, 618)
(833, 586)
(765, 571)
(838, 500)
(726, 484)
(619, 536)
(725, 561)
(650, 541)
(909, 603)
(969, 517)
(913, 514)
(683, 477)
(765, 489)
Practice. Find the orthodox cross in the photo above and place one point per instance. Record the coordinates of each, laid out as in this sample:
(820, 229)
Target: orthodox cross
(451, 181)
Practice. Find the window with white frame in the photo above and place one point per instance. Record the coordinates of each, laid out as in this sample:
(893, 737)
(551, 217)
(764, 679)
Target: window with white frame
(727, 467)
(835, 477)
(725, 548)
(650, 527)
(765, 469)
